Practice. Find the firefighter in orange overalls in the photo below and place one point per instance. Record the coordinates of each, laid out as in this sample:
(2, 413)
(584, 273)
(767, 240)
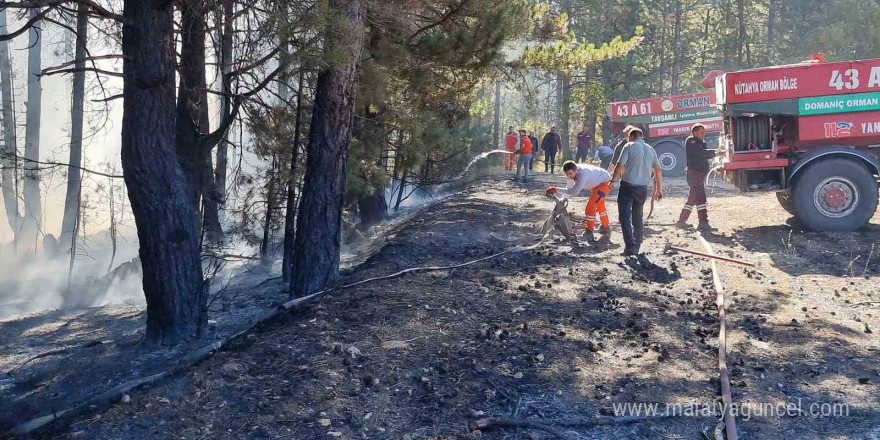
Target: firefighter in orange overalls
(590, 177)
(511, 141)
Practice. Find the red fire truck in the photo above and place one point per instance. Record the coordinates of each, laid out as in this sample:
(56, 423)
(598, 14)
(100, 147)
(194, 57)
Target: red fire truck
(810, 132)
(667, 123)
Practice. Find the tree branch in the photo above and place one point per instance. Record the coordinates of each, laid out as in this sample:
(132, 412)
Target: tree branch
(27, 26)
(70, 63)
(84, 69)
(444, 19)
(100, 10)
(58, 164)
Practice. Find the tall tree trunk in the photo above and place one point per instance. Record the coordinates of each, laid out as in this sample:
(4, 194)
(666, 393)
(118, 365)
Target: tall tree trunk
(290, 214)
(589, 73)
(167, 224)
(273, 197)
(607, 132)
(31, 191)
(741, 36)
(726, 50)
(226, 60)
(271, 200)
(771, 28)
(496, 127)
(676, 48)
(705, 40)
(192, 103)
(628, 75)
(565, 116)
(74, 178)
(319, 223)
(661, 88)
(401, 187)
(8, 153)
(373, 208)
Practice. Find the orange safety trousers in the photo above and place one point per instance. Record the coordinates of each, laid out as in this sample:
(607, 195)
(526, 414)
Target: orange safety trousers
(596, 205)
(510, 159)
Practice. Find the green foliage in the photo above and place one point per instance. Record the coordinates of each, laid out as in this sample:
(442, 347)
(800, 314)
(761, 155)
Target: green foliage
(424, 65)
(569, 53)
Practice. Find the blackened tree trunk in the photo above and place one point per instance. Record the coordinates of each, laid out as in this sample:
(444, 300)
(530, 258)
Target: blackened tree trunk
(8, 153)
(74, 177)
(167, 224)
(319, 223)
(271, 203)
(192, 112)
(33, 204)
(401, 187)
(290, 214)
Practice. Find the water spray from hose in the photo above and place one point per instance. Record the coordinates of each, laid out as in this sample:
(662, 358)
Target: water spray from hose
(479, 158)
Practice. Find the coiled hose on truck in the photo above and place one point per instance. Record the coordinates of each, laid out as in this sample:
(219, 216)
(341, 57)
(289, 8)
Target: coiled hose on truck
(752, 133)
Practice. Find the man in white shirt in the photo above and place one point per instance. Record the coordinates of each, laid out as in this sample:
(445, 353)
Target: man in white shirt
(590, 177)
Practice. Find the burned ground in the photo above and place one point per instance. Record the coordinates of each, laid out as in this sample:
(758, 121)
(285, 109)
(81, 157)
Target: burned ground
(552, 333)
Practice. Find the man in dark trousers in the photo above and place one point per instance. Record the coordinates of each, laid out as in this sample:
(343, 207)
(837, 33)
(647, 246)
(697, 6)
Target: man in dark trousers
(637, 161)
(584, 144)
(551, 145)
(534, 150)
(698, 157)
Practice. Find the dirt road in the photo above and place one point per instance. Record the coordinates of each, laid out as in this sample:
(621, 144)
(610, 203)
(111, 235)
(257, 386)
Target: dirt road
(553, 333)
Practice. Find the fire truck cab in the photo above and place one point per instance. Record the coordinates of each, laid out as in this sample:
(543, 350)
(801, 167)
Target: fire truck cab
(811, 133)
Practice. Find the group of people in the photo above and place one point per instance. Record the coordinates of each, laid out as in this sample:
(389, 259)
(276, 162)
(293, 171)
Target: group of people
(634, 164)
(523, 149)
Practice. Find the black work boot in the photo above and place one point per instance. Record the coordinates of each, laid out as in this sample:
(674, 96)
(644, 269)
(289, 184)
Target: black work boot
(588, 235)
(605, 231)
(682, 225)
(705, 227)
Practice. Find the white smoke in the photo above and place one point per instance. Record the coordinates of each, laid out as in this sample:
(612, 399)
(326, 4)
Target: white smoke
(32, 283)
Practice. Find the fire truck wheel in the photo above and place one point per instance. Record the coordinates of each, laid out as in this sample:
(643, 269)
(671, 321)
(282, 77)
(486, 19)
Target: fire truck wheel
(784, 198)
(672, 158)
(835, 195)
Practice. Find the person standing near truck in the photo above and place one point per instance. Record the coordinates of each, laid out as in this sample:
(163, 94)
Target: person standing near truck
(698, 157)
(551, 145)
(637, 161)
(511, 143)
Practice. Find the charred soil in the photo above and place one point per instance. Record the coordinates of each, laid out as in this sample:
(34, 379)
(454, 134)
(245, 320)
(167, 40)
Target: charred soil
(553, 333)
